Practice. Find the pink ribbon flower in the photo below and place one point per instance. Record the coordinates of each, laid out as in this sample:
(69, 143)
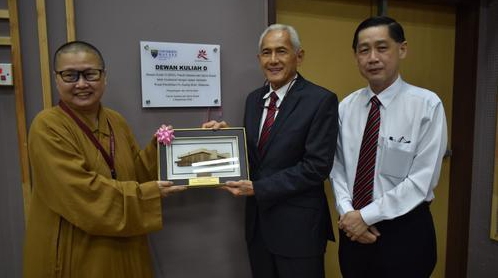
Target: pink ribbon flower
(164, 135)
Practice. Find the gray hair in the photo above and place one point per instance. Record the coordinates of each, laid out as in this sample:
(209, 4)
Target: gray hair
(296, 44)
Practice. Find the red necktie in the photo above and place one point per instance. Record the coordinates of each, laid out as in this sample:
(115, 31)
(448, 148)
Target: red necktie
(365, 171)
(270, 118)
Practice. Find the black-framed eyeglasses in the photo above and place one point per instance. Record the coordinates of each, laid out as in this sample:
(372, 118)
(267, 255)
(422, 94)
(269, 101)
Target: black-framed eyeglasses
(71, 76)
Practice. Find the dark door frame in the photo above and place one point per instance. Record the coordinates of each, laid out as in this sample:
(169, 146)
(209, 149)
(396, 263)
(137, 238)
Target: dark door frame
(462, 135)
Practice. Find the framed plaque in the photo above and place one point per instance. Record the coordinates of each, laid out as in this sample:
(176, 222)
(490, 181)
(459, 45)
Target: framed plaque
(204, 157)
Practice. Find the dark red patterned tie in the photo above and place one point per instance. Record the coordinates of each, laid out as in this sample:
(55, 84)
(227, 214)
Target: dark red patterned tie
(365, 171)
(270, 118)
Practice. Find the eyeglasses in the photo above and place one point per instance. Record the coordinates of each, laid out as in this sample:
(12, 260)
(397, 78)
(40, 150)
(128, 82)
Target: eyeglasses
(71, 76)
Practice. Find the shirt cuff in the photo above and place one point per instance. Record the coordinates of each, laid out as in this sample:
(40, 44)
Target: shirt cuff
(344, 207)
(371, 214)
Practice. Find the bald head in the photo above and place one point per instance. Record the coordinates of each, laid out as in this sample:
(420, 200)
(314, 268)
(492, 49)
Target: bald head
(76, 47)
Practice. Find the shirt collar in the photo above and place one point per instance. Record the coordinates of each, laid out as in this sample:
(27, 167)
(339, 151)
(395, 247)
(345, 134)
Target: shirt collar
(388, 94)
(282, 91)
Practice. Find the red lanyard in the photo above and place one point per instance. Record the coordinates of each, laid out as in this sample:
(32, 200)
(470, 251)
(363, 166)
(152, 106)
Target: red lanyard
(108, 158)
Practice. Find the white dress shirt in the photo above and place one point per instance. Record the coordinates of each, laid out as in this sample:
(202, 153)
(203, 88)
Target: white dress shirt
(412, 142)
(281, 92)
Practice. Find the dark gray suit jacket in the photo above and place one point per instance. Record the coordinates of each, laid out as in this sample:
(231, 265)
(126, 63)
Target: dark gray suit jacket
(290, 205)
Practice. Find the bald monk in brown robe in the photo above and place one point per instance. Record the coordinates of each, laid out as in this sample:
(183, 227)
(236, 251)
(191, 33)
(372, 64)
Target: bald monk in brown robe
(93, 200)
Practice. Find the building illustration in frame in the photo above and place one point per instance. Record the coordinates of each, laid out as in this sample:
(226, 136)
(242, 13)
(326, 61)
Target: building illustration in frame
(199, 155)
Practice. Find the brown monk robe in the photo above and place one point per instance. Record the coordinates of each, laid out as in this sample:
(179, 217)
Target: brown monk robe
(83, 223)
(94, 196)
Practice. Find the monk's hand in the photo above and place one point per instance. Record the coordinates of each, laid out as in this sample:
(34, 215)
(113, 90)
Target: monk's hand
(239, 188)
(167, 188)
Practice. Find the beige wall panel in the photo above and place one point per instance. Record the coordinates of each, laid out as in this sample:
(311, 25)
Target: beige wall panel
(326, 29)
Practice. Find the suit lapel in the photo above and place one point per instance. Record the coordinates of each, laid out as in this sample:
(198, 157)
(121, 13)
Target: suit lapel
(253, 119)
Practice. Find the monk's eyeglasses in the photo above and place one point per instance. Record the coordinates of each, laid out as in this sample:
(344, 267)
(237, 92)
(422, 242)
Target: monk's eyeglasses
(72, 76)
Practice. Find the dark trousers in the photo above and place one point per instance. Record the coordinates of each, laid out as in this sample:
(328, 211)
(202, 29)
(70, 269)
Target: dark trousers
(264, 264)
(406, 248)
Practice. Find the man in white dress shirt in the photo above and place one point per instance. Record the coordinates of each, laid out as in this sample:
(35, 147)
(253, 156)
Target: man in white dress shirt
(389, 232)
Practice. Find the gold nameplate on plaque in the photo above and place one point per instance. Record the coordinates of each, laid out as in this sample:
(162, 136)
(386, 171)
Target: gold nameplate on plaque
(203, 181)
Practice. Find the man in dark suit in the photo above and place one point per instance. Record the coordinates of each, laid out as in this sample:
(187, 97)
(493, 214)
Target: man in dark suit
(291, 127)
